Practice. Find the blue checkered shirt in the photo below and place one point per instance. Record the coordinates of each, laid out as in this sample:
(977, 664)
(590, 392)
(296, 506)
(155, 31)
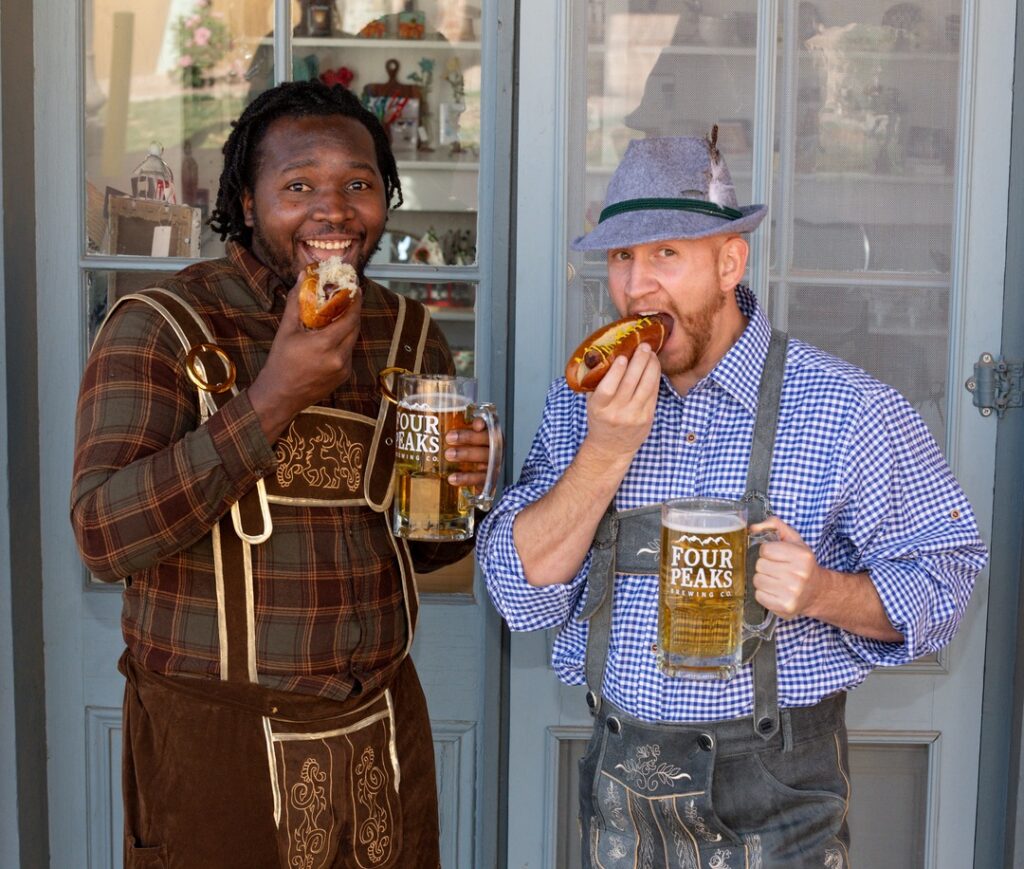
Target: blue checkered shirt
(855, 472)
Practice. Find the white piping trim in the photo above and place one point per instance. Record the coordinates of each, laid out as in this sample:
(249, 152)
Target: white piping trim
(393, 739)
(222, 619)
(275, 785)
(250, 612)
(327, 734)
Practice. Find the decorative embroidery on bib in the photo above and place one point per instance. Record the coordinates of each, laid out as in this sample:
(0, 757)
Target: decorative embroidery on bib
(645, 773)
(330, 460)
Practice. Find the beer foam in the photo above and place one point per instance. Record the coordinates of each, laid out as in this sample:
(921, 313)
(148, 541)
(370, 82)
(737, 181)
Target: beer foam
(705, 523)
(439, 402)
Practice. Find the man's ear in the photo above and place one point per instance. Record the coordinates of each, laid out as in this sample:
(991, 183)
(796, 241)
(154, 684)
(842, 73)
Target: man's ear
(732, 261)
(247, 202)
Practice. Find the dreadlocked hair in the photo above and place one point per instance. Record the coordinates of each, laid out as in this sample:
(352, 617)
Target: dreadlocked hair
(292, 99)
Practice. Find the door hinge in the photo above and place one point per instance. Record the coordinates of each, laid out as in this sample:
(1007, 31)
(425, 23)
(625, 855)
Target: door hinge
(997, 384)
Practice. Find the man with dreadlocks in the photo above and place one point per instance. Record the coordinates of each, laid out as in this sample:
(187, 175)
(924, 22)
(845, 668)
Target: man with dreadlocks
(711, 760)
(232, 468)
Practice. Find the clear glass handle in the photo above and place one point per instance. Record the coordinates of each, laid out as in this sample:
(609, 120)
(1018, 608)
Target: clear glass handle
(765, 629)
(489, 414)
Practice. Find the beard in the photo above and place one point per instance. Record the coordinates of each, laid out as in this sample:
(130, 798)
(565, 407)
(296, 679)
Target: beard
(697, 329)
(282, 260)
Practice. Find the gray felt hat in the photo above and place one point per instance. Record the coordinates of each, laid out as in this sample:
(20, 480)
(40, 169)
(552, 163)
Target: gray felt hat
(673, 187)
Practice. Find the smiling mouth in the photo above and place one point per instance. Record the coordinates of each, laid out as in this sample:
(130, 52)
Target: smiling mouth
(321, 249)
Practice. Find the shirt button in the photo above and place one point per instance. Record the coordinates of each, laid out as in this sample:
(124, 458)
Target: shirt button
(691, 438)
(954, 514)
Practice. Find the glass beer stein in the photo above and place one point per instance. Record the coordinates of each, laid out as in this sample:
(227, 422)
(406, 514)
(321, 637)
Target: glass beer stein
(427, 506)
(701, 585)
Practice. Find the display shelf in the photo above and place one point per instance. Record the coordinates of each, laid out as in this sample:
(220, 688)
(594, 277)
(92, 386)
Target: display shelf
(451, 315)
(936, 56)
(390, 44)
(697, 50)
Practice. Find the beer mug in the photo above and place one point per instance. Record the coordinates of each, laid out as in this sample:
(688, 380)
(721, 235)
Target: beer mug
(427, 506)
(701, 586)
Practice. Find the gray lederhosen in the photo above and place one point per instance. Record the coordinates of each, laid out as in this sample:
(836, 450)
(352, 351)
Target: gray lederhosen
(227, 773)
(769, 790)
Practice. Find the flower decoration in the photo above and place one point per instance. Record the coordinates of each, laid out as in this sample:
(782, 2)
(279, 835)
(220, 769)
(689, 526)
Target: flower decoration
(342, 75)
(203, 39)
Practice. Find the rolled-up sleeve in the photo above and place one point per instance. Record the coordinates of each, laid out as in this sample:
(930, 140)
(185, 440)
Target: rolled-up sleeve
(912, 528)
(523, 606)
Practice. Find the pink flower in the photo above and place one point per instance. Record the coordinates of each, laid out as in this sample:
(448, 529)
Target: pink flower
(191, 21)
(185, 61)
(202, 35)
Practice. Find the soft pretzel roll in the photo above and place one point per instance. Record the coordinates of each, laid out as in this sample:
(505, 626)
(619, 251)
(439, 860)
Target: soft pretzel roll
(595, 355)
(326, 292)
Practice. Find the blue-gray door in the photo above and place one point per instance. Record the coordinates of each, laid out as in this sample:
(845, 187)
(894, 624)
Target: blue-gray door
(886, 248)
(114, 77)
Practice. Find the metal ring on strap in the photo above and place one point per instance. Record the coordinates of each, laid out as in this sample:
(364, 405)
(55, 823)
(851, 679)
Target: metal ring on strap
(197, 373)
(382, 379)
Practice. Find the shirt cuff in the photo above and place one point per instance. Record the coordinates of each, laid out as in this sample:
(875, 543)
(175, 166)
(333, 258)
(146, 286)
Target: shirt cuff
(524, 607)
(239, 441)
(905, 594)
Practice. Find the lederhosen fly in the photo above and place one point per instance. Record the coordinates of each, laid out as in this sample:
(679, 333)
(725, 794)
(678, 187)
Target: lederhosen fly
(752, 793)
(221, 774)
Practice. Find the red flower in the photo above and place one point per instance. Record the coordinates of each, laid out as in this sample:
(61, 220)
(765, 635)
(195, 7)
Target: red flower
(342, 75)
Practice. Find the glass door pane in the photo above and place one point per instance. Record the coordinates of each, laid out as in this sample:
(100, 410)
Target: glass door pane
(653, 68)
(863, 193)
(163, 81)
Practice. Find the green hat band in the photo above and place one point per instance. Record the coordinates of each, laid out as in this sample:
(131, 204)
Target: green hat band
(698, 206)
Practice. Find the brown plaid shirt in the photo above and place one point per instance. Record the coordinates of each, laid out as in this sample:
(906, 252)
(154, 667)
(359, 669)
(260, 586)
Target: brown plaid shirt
(150, 482)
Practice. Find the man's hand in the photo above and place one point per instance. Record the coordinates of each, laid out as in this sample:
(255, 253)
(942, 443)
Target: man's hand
(304, 366)
(789, 581)
(470, 448)
(788, 578)
(620, 411)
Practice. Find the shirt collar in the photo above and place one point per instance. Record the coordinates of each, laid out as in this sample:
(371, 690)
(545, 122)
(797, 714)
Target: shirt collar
(739, 371)
(265, 285)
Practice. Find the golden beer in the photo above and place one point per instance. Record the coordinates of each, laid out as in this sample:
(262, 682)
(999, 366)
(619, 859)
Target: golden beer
(427, 506)
(701, 584)
(428, 406)
(702, 579)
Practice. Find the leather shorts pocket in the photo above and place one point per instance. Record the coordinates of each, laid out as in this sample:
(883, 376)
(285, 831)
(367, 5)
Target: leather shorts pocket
(336, 789)
(138, 857)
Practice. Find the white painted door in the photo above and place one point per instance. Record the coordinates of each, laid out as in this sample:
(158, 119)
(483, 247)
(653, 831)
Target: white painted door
(885, 247)
(112, 78)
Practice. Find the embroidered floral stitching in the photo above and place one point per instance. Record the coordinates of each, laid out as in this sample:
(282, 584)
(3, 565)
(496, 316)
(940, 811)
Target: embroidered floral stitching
(644, 771)
(331, 460)
(307, 795)
(374, 829)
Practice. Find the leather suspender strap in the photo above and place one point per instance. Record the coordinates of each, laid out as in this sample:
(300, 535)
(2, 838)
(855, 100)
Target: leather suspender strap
(406, 351)
(598, 607)
(765, 664)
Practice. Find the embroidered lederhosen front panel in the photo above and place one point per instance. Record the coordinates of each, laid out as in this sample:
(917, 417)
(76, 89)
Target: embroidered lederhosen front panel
(321, 460)
(651, 803)
(336, 789)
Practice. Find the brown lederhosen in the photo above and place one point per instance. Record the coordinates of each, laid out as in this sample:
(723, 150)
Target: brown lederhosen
(230, 774)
